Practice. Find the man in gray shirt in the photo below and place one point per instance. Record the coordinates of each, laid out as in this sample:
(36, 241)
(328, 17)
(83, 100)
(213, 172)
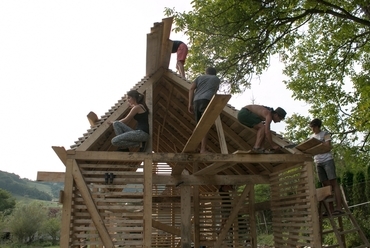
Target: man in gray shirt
(201, 92)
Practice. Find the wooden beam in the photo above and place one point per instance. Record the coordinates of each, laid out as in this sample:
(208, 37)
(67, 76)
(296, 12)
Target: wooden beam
(210, 179)
(195, 179)
(45, 176)
(91, 207)
(61, 152)
(188, 157)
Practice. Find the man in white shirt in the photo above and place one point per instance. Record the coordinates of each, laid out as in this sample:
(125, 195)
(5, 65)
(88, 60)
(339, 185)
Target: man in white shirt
(325, 166)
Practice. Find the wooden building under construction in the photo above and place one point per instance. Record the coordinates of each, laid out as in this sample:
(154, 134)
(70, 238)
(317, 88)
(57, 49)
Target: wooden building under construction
(168, 195)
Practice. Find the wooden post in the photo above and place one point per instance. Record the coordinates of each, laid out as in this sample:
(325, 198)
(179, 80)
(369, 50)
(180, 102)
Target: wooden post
(185, 217)
(148, 181)
(314, 205)
(252, 217)
(196, 207)
(67, 205)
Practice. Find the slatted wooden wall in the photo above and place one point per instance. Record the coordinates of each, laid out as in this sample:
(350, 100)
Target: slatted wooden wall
(294, 207)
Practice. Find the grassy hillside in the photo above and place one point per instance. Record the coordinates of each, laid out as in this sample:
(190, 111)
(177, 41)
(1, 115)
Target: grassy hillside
(23, 189)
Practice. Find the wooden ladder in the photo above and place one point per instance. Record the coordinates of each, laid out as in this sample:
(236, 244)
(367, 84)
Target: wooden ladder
(325, 197)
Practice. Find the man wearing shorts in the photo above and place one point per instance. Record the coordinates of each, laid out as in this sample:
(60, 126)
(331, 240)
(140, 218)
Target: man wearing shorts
(325, 166)
(201, 92)
(260, 117)
(181, 49)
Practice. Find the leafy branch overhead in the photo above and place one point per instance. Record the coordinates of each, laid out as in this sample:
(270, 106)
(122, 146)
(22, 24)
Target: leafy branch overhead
(323, 44)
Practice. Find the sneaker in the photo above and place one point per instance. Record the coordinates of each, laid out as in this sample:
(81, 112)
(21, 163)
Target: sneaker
(258, 150)
(123, 150)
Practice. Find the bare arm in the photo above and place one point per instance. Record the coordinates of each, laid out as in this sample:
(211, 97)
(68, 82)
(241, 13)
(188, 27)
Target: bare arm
(191, 97)
(131, 114)
(268, 120)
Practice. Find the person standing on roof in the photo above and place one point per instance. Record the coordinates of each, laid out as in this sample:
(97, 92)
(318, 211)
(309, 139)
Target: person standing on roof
(260, 117)
(201, 92)
(325, 166)
(181, 49)
(126, 136)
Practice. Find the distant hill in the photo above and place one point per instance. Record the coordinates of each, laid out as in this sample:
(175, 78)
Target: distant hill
(22, 187)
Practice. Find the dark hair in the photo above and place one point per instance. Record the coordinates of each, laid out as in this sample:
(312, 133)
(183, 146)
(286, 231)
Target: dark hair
(211, 71)
(140, 98)
(316, 123)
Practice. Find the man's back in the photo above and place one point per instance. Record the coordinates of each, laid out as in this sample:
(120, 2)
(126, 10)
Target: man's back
(206, 86)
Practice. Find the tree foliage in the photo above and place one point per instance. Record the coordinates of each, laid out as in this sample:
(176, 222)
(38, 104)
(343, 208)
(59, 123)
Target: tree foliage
(26, 221)
(7, 202)
(323, 44)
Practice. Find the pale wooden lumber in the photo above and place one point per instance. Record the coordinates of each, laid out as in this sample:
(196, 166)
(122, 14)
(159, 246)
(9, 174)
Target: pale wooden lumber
(166, 42)
(323, 193)
(213, 110)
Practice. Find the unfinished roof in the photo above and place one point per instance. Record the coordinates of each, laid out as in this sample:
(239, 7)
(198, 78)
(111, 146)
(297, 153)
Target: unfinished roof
(172, 124)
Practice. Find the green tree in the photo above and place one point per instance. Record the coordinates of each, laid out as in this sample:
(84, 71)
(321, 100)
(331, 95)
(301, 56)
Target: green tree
(323, 44)
(347, 182)
(51, 227)
(26, 221)
(7, 202)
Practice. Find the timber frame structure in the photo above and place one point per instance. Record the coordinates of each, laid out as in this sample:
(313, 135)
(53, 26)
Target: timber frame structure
(168, 196)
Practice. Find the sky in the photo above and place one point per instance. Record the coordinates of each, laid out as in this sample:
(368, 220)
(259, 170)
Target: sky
(59, 60)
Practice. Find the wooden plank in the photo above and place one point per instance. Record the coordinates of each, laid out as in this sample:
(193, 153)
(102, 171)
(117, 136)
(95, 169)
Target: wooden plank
(311, 142)
(91, 207)
(46, 176)
(213, 110)
(323, 193)
(153, 48)
(166, 48)
(61, 153)
(148, 181)
(93, 118)
(67, 206)
(320, 148)
(185, 216)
